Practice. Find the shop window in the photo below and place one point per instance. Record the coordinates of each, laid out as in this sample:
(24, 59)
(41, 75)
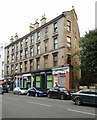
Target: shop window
(49, 81)
(37, 81)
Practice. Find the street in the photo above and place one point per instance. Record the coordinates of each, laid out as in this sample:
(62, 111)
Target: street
(22, 106)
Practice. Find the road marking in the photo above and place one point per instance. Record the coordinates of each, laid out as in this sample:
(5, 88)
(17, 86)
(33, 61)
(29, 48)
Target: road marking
(11, 98)
(82, 112)
(39, 104)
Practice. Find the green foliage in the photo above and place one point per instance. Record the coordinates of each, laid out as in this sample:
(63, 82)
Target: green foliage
(89, 57)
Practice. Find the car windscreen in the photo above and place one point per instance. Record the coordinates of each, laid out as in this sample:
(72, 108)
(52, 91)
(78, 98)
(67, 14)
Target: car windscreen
(23, 88)
(63, 89)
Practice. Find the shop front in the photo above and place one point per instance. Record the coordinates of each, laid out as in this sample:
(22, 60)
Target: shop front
(10, 82)
(27, 80)
(42, 79)
(61, 77)
(23, 81)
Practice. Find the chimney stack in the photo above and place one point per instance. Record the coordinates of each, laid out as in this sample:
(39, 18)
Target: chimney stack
(16, 36)
(31, 27)
(11, 39)
(43, 20)
(36, 24)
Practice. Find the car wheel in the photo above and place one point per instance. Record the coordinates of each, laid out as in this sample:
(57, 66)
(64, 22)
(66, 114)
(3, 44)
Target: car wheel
(28, 93)
(48, 95)
(19, 93)
(36, 95)
(78, 101)
(62, 97)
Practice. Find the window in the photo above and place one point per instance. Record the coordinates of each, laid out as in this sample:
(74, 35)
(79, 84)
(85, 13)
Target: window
(46, 32)
(55, 27)
(68, 25)
(16, 46)
(21, 67)
(55, 43)
(21, 44)
(21, 55)
(32, 39)
(38, 49)
(16, 56)
(26, 53)
(7, 59)
(26, 65)
(12, 69)
(68, 42)
(16, 68)
(69, 59)
(26, 41)
(12, 48)
(38, 63)
(45, 61)
(55, 59)
(12, 57)
(38, 36)
(31, 52)
(8, 51)
(7, 69)
(31, 65)
(46, 46)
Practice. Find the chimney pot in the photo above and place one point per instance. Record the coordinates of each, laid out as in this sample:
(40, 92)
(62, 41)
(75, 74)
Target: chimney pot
(43, 20)
(31, 27)
(11, 39)
(36, 24)
(16, 36)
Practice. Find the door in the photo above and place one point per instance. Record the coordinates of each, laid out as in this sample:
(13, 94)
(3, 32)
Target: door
(43, 81)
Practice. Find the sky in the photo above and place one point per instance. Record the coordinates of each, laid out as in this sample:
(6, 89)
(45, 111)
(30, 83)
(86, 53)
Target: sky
(16, 15)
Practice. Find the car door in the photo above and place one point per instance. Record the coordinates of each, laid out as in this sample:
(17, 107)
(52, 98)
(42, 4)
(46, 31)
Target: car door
(33, 91)
(55, 92)
(93, 99)
(85, 96)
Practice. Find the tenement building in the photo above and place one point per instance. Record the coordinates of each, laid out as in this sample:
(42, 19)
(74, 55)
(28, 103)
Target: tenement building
(45, 56)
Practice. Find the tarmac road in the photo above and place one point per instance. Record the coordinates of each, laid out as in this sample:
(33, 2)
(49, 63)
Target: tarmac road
(22, 106)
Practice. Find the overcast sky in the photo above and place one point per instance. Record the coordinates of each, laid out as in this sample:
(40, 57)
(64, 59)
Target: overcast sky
(16, 15)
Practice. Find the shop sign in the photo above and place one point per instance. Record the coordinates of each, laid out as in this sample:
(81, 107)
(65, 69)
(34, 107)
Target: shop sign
(60, 71)
(25, 75)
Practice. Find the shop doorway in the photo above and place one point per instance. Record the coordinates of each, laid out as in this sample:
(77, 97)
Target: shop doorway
(43, 81)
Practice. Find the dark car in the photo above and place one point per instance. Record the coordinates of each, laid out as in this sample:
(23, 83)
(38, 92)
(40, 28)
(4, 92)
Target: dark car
(88, 96)
(5, 89)
(58, 92)
(36, 92)
(1, 91)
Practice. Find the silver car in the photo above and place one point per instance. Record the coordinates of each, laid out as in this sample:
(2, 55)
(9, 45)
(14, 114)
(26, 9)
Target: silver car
(20, 91)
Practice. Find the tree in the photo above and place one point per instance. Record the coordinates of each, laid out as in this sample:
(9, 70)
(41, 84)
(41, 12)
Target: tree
(88, 54)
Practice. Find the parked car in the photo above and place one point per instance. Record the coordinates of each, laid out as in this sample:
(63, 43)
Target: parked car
(58, 92)
(1, 91)
(87, 96)
(36, 92)
(5, 89)
(20, 91)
